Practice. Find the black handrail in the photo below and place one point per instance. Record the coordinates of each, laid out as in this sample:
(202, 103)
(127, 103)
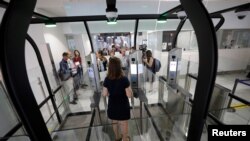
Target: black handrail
(208, 60)
(136, 31)
(220, 23)
(230, 94)
(57, 89)
(46, 79)
(89, 35)
(240, 99)
(44, 102)
(215, 119)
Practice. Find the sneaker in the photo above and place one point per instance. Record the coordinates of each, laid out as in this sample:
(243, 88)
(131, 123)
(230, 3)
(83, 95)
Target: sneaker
(85, 85)
(73, 102)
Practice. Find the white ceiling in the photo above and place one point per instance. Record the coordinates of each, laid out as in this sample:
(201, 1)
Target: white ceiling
(97, 7)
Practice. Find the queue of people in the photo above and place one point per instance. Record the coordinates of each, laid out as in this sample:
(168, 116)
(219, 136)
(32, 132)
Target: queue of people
(116, 85)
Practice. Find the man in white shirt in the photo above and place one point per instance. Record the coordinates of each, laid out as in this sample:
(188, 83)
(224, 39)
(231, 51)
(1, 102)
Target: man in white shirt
(125, 61)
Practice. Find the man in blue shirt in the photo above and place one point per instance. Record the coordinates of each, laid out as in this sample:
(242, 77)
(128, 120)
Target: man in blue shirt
(64, 67)
(65, 71)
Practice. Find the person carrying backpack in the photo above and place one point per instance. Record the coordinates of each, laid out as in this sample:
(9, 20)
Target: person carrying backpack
(153, 66)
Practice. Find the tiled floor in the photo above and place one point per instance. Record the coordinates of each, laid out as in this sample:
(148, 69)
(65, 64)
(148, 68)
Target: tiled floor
(241, 116)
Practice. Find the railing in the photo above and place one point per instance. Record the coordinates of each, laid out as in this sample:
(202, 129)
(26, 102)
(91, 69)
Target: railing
(221, 111)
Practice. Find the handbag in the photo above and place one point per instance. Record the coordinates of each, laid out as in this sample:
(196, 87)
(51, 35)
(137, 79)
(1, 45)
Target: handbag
(64, 76)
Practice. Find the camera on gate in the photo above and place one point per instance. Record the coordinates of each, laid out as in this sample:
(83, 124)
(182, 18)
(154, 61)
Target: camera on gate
(143, 47)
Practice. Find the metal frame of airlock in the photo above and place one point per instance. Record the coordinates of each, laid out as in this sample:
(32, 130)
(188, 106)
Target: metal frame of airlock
(16, 25)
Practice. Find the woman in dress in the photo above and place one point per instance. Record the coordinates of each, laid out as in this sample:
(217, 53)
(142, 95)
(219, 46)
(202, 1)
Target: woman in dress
(117, 87)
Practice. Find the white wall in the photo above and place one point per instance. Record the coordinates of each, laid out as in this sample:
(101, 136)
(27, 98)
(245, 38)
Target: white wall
(228, 59)
(183, 39)
(57, 42)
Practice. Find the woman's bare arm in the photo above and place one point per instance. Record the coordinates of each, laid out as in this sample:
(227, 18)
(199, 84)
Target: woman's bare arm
(105, 91)
(129, 92)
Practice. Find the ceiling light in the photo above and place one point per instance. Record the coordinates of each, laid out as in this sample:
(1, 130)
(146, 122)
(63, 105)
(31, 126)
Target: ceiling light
(161, 19)
(241, 14)
(111, 22)
(50, 24)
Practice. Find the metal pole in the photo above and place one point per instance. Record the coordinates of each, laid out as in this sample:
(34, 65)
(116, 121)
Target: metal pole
(96, 73)
(44, 96)
(89, 35)
(141, 117)
(233, 93)
(220, 23)
(188, 79)
(135, 33)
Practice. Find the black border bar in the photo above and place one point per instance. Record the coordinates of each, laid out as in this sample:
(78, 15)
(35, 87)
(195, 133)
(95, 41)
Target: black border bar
(171, 11)
(208, 56)
(15, 25)
(104, 18)
(5, 4)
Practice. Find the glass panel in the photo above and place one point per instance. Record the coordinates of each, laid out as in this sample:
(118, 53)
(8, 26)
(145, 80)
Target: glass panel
(237, 116)
(74, 135)
(8, 118)
(174, 128)
(21, 131)
(64, 110)
(19, 138)
(234, 38)
(46, 111)
(59, 96)
(52, 123)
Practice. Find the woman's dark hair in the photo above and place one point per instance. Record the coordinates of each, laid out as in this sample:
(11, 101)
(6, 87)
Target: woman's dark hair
(100, 52)
(115, 68)
(78, 53)
(148, 54)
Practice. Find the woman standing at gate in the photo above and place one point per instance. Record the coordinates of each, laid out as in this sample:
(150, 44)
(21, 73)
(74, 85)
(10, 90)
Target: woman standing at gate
(117, 87)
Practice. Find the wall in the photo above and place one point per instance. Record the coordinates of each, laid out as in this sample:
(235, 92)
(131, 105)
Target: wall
(57, 42)
(228, 60)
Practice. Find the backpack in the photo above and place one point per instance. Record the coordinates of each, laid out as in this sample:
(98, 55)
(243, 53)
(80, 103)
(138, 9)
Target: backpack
(62, 76)
(157, 65)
